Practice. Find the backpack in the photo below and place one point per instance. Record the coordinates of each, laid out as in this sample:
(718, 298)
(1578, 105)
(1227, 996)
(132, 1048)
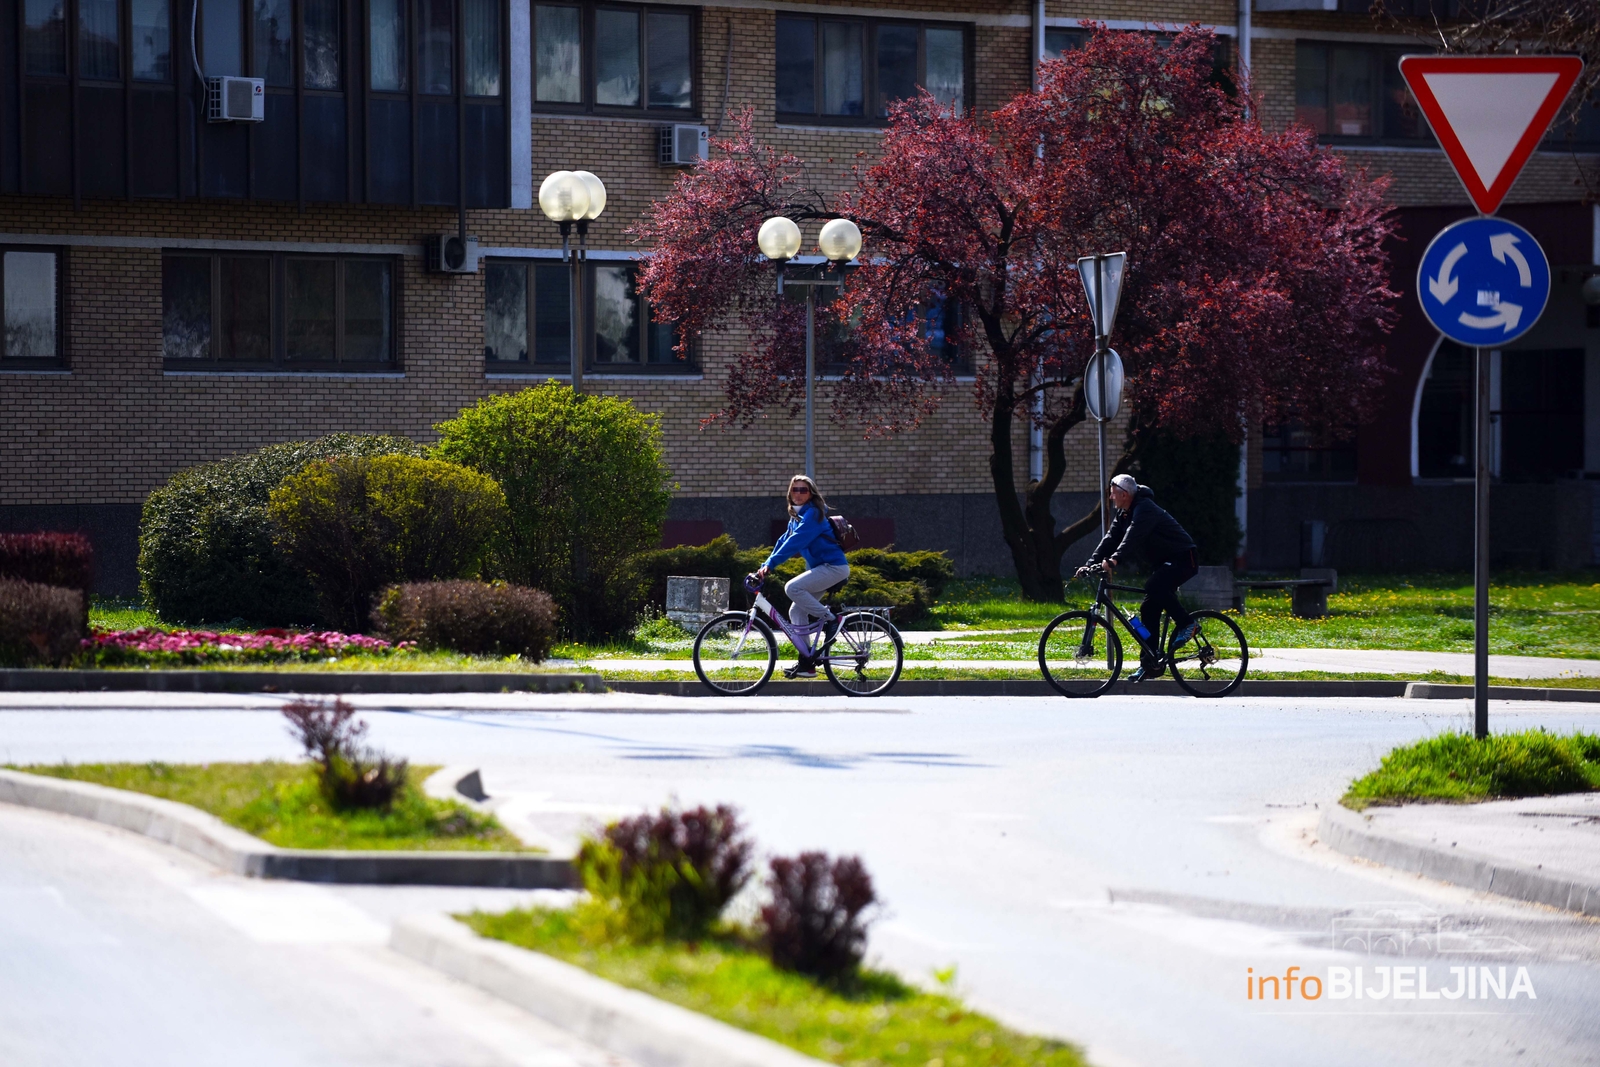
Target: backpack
(844, 533)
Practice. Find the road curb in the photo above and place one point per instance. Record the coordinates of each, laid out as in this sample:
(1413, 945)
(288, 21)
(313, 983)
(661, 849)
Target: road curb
(1355, 834)
(216, 842)
(198, 681)
(1443, 691)
(648, 1031)
(1033, 687)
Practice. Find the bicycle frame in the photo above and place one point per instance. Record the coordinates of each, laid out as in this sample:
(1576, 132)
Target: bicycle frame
(1103, 598)
(800, 637)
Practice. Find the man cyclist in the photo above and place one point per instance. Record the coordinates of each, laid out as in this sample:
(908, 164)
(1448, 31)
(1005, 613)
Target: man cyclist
(1143, 527)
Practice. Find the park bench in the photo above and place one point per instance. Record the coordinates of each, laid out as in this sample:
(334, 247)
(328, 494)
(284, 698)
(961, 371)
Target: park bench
(1308, 594)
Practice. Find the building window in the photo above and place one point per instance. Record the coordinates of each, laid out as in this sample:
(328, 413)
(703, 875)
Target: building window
(30, 297)
(1350, 93)
(940, 321)
(101, 50)
(527, 321)
(1539, 397)
(604, 57)
(1292, 453)
(1058, 42)
(278, 311)
(848, 71)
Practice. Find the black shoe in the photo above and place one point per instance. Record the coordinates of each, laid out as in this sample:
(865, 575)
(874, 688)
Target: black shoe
(830, 631)
(1148, 671)
(806, 668)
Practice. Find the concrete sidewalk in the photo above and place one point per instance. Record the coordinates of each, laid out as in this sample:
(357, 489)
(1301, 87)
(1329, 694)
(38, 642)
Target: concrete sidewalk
(1543, 849)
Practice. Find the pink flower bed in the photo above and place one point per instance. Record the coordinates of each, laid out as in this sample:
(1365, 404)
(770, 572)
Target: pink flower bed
(194, 646)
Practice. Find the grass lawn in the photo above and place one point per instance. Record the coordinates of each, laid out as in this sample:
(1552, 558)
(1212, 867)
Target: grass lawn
(1458, 768)
(1531, 614)
(282, 804)
(878, 1021)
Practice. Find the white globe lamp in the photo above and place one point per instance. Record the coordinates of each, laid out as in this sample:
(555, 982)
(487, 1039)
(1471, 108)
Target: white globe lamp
(840, 240)
(779, 238)
(564, 197)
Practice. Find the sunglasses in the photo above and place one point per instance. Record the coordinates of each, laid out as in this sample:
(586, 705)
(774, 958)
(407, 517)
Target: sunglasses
(800, 489)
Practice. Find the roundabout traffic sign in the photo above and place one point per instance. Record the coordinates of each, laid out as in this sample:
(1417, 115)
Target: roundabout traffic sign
(1483, 282)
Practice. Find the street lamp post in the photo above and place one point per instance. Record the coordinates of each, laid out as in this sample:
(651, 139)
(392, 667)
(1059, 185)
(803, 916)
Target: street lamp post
(570, 197)
(839, 242)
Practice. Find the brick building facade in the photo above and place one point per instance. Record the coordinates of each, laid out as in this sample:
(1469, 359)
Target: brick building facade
(220, 286)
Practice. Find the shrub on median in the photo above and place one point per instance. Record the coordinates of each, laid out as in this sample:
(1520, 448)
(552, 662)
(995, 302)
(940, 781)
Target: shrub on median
(206, 549)
(1457, 767)
(60, 559)
(667, 875)
(814, 923)
(352, 773)
(478, 618)
(40, 625)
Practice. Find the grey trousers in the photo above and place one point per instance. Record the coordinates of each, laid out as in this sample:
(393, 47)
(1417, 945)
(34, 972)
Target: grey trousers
(804, 590)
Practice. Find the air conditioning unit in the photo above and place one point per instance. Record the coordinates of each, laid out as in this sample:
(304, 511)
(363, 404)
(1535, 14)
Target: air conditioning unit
(235, 99)
(683, 145)
(447, 254)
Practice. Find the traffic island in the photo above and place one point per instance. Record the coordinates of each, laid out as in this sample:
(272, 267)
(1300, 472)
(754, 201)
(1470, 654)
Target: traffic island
(1511, 814)
(427, 842)
(717, 1003)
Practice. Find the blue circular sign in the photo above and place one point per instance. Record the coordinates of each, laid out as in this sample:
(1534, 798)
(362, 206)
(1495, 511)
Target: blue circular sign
(1483, 282)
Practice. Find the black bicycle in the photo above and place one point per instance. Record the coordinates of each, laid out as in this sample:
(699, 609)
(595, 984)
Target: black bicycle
(1081, 654)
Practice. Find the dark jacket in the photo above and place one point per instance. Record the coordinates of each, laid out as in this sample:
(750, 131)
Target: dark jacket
(1144, 529)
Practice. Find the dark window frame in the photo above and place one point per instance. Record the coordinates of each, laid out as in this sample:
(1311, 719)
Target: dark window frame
(59, 360)
(532, 367)
(1381, 57)
(588, 64)
(869, 118)
(1325, 451)
(277, 316)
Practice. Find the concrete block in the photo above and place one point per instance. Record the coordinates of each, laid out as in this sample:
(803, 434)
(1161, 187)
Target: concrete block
(693, 602)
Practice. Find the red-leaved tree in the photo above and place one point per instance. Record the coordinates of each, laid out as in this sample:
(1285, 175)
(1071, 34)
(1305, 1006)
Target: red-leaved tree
(1256, 283)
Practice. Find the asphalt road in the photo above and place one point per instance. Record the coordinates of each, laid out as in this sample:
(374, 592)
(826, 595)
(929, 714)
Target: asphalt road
(1112, 872)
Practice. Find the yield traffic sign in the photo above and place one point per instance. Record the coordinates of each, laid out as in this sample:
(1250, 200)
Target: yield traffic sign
(1483, 282)
(1489, 113)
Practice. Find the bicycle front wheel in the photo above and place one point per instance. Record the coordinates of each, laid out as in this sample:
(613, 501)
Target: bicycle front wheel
(1213, 662)
(1080, 654)
(866, 657)
(734, 654)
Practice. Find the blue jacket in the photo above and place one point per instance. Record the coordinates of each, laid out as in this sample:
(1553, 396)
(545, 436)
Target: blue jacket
(811, 536)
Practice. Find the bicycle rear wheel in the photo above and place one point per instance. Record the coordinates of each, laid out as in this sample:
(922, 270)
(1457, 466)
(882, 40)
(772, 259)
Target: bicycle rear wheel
(1080, 654)
(734, 654)
(1213, 662)
(865, 658)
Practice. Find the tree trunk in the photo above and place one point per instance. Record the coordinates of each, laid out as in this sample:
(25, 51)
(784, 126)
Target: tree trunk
(1028, 524)
(1040, 581)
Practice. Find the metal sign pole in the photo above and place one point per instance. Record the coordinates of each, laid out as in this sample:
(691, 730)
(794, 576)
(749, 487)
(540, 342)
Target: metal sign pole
(811, 376)
(1480, 575)
(1100, 357)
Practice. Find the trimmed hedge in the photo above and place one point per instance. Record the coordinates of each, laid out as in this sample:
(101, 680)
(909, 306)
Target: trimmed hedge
(471, 617)
(48, 558)
(41, 625)
(355, 524)
(908, 582)
(587, 484)
(206, 548)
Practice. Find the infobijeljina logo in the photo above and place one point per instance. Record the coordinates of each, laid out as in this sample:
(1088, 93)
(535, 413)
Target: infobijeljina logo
(1447, 969)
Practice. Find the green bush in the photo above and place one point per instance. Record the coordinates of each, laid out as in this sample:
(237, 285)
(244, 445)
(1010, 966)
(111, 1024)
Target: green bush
(587, 486)
(472, 617)
(1197, 481)
(1458, 767)
(40, 625)
(206, 549)
(667, 875)
(908, 582)
(355, 524)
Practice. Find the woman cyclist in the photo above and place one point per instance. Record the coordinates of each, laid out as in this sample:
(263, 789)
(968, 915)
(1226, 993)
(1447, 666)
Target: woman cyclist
(811, 536)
